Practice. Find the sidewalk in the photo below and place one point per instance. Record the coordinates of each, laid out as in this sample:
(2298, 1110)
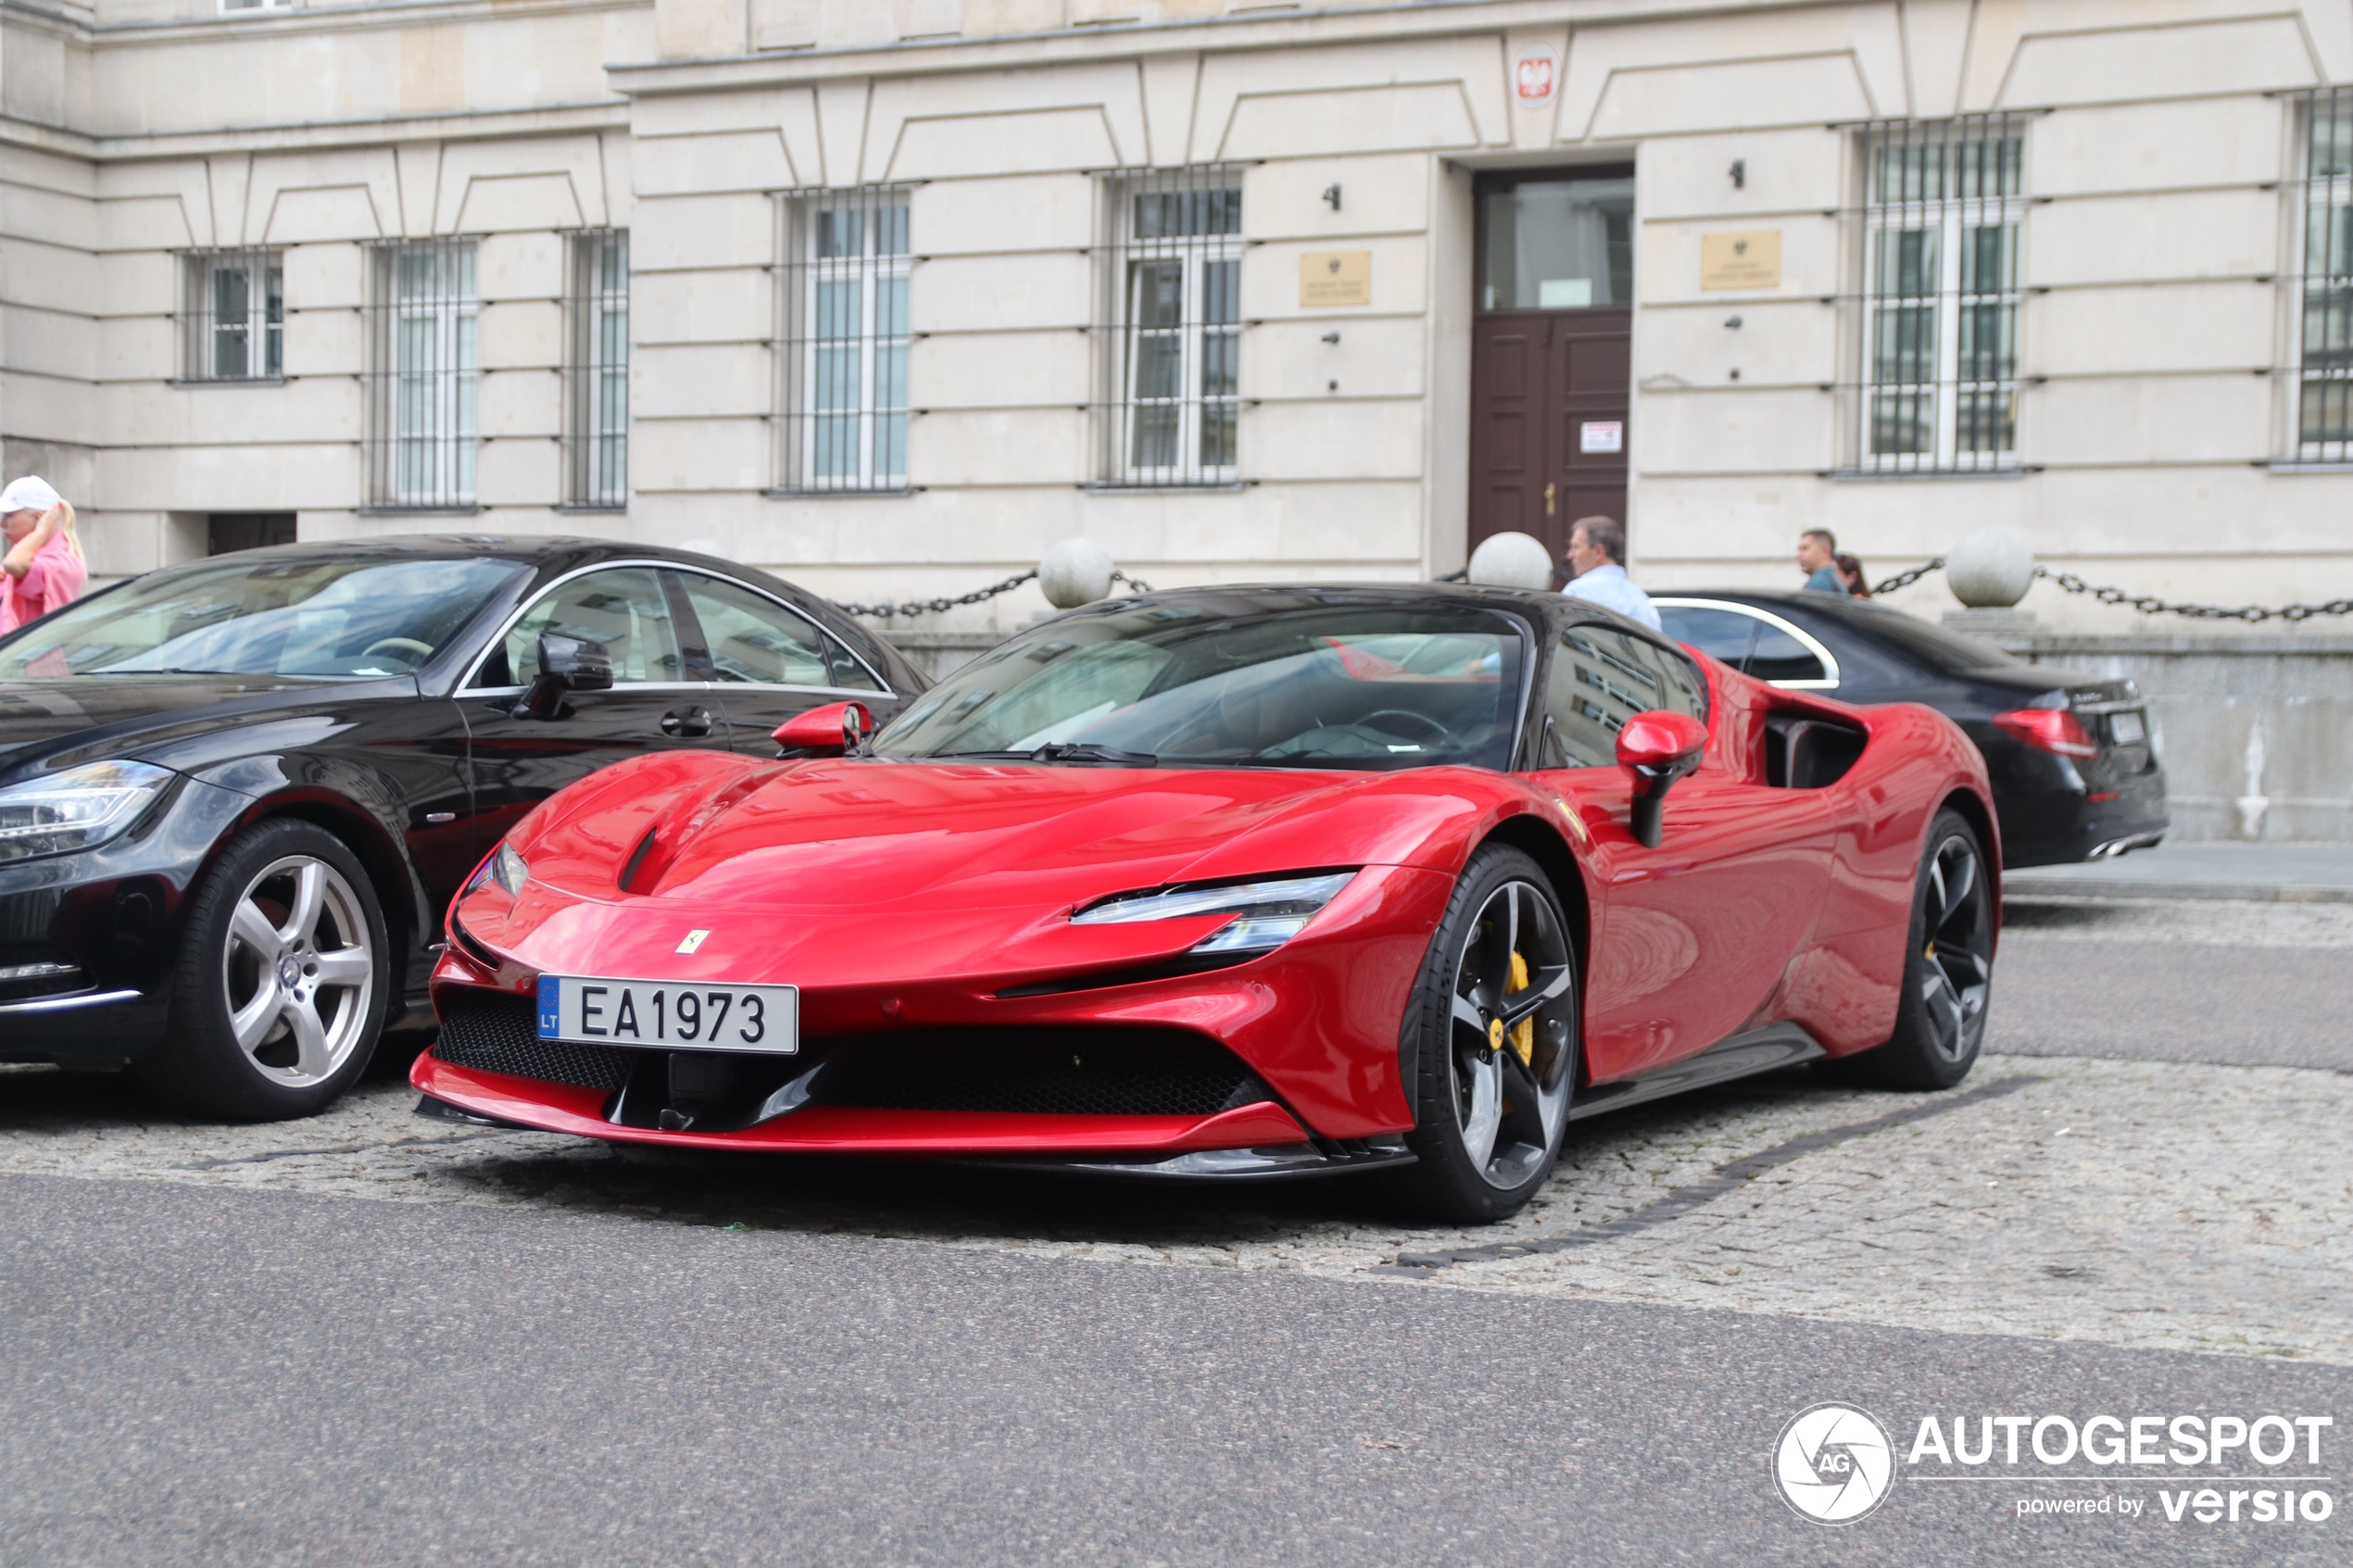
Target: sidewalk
(2303, 873)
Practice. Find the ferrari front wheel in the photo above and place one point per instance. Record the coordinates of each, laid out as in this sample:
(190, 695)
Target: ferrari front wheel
(1494, 1020)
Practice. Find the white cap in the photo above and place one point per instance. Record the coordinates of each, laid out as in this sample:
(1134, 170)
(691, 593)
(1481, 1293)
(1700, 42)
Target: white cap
(31, 494)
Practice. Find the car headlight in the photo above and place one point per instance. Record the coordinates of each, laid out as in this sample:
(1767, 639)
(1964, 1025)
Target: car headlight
(79, 809)
(1265, 914)
(509, 870)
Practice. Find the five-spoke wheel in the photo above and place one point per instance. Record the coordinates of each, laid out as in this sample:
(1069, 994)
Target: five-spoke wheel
(1948, 969)
(1497, 1043)
(283, 978)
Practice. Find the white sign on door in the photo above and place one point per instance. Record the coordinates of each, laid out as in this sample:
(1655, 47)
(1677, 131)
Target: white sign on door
(1602, 435)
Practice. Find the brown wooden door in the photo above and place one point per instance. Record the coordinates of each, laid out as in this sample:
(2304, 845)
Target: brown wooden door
(1546, 388)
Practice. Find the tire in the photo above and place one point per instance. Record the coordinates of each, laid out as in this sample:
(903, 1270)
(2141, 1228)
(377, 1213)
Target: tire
(285, 975)
(1948, 970)
(1495, 1061)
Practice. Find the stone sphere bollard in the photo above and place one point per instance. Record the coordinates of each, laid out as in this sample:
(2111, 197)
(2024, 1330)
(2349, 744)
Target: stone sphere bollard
(1074, 572)
(1512, 561)
(1990, 569)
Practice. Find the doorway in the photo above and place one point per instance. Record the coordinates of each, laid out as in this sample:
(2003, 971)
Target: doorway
(227, 532)
(1552, 362)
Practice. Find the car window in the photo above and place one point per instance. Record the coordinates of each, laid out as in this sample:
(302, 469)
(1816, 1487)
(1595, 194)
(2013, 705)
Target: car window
(1602, 677)
(358, 618)
(849, 672)
(756, 640)
(1779, 656)
(622, 608)
(1721, 634)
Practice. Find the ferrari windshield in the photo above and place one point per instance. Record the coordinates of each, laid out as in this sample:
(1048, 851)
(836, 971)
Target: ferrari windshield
(1366, 686)
(353, 619)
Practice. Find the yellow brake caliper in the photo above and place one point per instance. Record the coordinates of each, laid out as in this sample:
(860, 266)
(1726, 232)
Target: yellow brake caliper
(1523, 1035)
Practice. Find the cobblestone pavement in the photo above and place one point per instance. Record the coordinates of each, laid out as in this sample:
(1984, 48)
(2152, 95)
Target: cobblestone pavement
(2186, 1206)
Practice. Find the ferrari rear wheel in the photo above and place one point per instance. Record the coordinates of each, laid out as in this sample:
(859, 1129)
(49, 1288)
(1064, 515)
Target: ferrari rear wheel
(1495, 1017)
(1948, 969)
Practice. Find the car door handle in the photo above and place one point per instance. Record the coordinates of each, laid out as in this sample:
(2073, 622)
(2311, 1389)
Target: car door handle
(692, 722)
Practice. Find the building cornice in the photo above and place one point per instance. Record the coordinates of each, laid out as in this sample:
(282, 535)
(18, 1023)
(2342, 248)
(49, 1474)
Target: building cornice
(375, 131)
(348, 18)
(1229, 33)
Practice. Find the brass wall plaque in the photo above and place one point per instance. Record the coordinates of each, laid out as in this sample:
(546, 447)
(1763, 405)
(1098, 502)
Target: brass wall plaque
(1746, 260)
(1335, 276)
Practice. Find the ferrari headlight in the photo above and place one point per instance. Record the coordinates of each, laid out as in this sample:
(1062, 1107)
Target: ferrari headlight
(1265, 914)
(509, 870)
(79, 809)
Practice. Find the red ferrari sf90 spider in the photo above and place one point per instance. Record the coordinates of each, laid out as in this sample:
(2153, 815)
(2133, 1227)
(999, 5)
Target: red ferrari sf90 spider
(1242, 882)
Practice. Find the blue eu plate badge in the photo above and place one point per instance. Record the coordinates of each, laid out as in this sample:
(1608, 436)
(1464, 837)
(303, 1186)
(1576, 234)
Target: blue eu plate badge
(550, 1007)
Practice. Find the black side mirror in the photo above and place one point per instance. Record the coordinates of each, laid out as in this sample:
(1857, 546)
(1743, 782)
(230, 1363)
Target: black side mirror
(566, 664)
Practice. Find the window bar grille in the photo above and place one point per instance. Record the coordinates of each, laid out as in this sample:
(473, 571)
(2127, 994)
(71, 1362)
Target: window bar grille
(423, 376)
(1943, 202)
(2324, 283)
(596, 432)
(233, 316)
(844, 343)
(1169, 328)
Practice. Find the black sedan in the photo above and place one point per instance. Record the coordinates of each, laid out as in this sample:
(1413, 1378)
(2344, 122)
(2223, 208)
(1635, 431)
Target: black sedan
(237, 796)
(2074, 774)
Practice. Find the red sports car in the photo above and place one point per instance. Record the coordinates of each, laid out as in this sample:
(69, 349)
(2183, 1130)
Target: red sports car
(1238, 882)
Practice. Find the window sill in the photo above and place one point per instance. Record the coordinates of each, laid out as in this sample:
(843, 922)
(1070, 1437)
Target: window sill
(382, 509)
(1206, 487)
(901, 491)
(613, 507)
(2300, 465)
(181, 381)
(1894, 476)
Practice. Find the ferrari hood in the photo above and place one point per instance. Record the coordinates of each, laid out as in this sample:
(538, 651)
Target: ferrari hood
(728, 831)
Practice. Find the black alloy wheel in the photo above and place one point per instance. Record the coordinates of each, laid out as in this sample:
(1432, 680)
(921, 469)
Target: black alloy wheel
(1948, 970)
(1495, 1012)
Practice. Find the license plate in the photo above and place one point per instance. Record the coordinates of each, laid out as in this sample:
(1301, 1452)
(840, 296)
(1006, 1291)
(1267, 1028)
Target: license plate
(670, 1015)
(2127, 728)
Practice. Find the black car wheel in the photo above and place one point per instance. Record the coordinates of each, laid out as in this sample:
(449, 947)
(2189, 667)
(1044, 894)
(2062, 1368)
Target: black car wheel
(1948, 969)
(283, 980)
(1495, 1016)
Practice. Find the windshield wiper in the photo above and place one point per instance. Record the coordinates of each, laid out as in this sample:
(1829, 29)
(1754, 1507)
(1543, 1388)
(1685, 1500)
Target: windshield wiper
(1053, 751)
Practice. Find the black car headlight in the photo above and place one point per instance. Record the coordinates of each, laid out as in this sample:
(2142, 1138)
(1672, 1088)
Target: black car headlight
(79, 809)
(1265, 914)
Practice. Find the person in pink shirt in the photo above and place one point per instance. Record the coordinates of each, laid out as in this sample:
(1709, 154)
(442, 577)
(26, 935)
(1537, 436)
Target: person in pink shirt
(43, 570)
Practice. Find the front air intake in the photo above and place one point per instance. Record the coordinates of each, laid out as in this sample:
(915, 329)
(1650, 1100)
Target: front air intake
(500, 1034)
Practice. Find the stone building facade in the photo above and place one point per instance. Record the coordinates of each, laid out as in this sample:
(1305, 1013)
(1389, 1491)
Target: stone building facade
(890, 295)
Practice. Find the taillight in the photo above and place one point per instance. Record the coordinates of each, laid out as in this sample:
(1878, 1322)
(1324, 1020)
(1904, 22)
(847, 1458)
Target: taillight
(2048, 729)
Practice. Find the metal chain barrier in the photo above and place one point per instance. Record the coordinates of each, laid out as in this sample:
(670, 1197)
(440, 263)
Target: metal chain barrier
(2068, 583)
(978, 596)
(2293, 614)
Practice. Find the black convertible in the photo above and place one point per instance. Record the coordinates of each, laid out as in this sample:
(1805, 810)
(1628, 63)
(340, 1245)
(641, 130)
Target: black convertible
(237, 796)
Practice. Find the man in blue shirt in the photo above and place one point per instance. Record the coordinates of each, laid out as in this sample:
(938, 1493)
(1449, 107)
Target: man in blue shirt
(1597, 571)
(1818, 557)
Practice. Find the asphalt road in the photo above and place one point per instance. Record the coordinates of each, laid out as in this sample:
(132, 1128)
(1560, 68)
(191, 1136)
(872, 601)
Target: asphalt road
(199, 1376)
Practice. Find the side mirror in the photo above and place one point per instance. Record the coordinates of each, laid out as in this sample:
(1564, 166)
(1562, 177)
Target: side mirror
(1656, 748)
(835, 729)
(566, 664)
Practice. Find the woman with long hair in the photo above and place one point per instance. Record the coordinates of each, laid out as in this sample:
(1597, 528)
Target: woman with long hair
(42, 569)
(1851, 577)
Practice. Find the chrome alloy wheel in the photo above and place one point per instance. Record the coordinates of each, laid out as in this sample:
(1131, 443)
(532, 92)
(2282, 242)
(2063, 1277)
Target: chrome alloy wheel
(1956, 971)
(1513, 1035)
(298, 971)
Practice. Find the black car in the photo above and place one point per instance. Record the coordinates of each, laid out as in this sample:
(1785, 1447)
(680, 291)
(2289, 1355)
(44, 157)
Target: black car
(2074, 775)
(237, 796)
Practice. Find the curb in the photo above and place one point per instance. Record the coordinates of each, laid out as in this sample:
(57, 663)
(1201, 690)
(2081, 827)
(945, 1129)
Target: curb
(2025, 885)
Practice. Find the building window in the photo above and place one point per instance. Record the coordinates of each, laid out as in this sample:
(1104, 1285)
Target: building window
(233, 317)
(229, 7)
(843, 352)
(2324, 285)
(597, 369)
(1941, 295)
(423, 375)
(1171, 293)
